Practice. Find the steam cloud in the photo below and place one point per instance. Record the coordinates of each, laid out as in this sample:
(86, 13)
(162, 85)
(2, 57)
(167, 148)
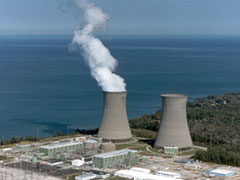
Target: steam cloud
(102, 64)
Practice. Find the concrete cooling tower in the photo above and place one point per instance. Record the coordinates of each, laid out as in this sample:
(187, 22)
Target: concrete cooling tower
(114, 126)
(174, 129)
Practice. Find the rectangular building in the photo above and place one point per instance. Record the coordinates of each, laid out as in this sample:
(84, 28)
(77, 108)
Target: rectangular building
(221, 173)
(113, 159)
(62, 147)
(130, 174)
(171, 150)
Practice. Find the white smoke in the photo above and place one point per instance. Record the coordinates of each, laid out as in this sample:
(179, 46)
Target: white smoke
(102, 64)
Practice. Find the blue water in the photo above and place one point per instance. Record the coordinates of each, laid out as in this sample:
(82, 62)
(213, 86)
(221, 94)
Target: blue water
(45, 86)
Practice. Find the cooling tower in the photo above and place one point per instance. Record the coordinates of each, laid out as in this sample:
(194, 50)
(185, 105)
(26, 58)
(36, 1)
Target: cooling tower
(174, 129)
(114, 126)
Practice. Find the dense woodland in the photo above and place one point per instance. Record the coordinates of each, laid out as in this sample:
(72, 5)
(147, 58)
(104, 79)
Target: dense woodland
(214, 121)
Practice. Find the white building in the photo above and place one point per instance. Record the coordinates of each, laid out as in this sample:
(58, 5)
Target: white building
(55, 163)
(87, 176)
(221, 173)
(143, 170)
(77, 162)
(135, 175)
(169, 174)
(6, 150)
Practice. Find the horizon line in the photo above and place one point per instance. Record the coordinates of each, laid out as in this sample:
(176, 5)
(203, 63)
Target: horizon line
(119, 34)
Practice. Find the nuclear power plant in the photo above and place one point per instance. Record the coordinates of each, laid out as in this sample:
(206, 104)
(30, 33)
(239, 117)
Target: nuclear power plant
(174, 131)
(114, 126)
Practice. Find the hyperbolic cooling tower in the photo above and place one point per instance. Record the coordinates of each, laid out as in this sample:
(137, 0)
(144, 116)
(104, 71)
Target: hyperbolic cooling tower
(174, 129)
(114, 126)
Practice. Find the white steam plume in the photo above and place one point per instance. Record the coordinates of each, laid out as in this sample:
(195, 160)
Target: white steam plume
(102, 64)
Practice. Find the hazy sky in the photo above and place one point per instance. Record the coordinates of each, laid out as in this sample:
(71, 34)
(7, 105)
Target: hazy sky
(126, 17)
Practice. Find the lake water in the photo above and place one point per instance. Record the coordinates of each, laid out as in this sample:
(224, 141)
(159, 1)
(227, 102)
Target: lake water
(45, 86)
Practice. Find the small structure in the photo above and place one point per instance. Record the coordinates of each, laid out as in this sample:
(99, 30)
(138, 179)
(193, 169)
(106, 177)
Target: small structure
(86, 176)
(90, 144)
(80, 138)
(98, 139)
(171, 150)
(54, 162)
(158, 167)
(119, 158)
(190, 166)
(184, 161)
(33, 159)
(221, 173)
(169, 174)
(77, 162)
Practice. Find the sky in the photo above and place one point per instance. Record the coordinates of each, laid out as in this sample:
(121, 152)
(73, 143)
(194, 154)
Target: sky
(126, 17)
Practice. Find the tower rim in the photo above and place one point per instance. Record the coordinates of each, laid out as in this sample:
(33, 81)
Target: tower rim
(174, 95)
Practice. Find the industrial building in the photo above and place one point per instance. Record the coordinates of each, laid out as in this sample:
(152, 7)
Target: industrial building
(77, 162)
(89, 176)
(169, 174)
(143, 170)
(190, 166)
(171, 150)
(174, 129)
(121, 158)
(61, 147)
(114, 126)
(98, 139)
(132, 174)
(90, 144)
(221, 173)
(22, 147)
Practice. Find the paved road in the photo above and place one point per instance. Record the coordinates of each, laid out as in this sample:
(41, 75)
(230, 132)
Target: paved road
(201, 147)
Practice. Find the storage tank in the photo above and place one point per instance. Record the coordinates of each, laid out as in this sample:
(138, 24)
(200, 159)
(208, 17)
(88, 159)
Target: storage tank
(174, 129)
(108, 147)
(90, 144)
(114, 126)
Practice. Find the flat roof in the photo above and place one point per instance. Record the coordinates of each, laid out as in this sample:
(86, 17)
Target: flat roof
(140, 169)
(192, 165)
(23, 145)
(90, 141)
(114, 153)
(62, 144)
(169, 173)
(141, 175)
(86, 175)
(7, 149)
(222, 171)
